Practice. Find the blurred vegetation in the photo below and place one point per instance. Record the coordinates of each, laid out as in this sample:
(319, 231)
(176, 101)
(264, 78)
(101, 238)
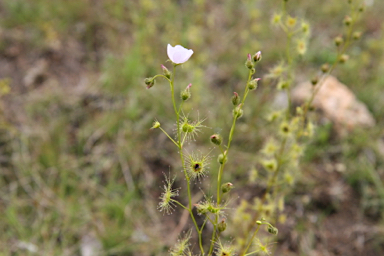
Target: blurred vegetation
(77, 157)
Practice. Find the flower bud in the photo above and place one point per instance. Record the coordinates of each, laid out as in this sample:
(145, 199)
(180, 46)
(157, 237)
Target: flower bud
(235, 99)
(356, 35)
(362, 8)
(338, 40)
(226, 187)
(314, 80)
(325, 68)
(150, 81)
(343, 58)
(155, 125)
(347, 20)
(238, 112)
(259, 222)
(257, 56)
(166, 72)
(222, 225)
(272, 230)
(216, 139)
(252, 85)
(249, 63)
(222, 159)
(186, 94)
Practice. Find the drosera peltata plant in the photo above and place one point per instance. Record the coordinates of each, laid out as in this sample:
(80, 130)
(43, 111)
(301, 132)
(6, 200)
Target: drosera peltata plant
(279, 158)
(195, 165)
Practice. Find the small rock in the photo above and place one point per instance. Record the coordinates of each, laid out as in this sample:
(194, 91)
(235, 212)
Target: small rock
(37, 74)
(90, 246)
(337, 102)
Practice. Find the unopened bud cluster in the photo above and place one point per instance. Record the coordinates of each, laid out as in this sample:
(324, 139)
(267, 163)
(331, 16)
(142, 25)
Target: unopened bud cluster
(150, 81)
(250, 63)
(238, 111)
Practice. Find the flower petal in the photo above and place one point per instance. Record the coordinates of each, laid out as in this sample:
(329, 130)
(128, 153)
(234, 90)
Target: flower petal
(170, 51)
(178, 54)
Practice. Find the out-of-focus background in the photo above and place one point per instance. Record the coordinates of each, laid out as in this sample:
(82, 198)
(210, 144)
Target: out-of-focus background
(80, 171)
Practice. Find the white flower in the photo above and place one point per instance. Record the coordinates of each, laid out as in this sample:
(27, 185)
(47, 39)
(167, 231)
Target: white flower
(178, 54)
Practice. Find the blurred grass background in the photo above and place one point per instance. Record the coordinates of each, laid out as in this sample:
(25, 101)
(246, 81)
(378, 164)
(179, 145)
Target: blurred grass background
(77, 158)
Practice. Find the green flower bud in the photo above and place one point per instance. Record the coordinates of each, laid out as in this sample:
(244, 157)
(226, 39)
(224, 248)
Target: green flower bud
(325, 68)
(343, 58)
(314, 80)
(362, 8)
(252, 85)
(186, 94)
(238, 112)
(166, 72)
(272, 230)
(226, 187)
(222, 159)
(235, 99)
(155, 125)
(222, 225)
(249, 63)
(338, 40)
(356, 35)
(216, 139)
(259, 222)
(347, 20)
(150, 81)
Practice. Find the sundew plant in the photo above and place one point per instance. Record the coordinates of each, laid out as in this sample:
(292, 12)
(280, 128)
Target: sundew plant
(279, 157)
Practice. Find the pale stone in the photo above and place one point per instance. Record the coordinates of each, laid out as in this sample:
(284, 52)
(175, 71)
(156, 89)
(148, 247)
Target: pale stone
(337, 102)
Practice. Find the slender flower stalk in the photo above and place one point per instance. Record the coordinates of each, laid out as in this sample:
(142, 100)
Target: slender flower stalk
(250, 66)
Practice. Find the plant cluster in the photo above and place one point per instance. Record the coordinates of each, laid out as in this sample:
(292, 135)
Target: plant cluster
(280, 156)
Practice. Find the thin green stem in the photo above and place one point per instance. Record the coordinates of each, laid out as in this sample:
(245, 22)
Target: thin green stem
(250, 241)
(163, 76)
(179, 142)
(202, 226)
(177, 202)
(177, 145)
(221, 169)
(213, 239)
